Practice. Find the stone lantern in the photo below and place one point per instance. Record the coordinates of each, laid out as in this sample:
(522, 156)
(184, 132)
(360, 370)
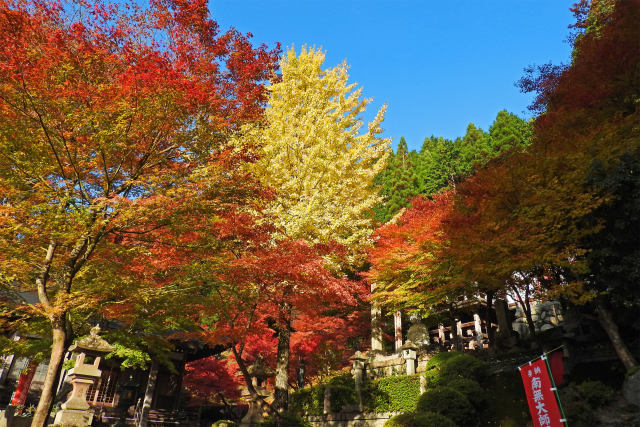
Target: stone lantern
(259, 373)
(358, 360)
(408, 351)
(76, 411)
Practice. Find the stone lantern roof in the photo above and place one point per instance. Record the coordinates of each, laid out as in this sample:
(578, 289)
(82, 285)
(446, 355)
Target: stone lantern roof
(93, 343)
(359, 356)
(409, 345)
(259, 370)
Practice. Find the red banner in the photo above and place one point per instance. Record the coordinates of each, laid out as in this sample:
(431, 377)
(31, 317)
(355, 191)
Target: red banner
(556, 363)
(541, 397)
(24, 383)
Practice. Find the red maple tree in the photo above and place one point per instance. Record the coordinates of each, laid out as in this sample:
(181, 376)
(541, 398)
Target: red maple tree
(114, 120)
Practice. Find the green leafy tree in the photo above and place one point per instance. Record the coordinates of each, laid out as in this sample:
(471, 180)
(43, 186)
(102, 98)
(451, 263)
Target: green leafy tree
(475, 149)
(443, 163)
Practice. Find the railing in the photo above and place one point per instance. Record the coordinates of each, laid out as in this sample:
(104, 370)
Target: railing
(468, 334)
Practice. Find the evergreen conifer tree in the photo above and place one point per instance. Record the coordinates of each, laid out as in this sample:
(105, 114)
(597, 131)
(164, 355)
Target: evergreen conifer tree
(442, 163)
(398, 182)
(508, 131)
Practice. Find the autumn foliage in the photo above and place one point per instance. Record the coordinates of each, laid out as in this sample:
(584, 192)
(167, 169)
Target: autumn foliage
(114, 120)
(268, 286)
(545, 208)
(411, 264)
(159, 172)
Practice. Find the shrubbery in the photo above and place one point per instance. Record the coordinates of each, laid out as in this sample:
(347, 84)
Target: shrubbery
(453, 381)
(454, 394)
(343, 392)
(471, 390)
(422, 419)
(403, 420)
(310, 400)
(580, 401)
(459, 393)
(392, 394)
(506, 403)
(288, 419)
(445, 367)
(448, 402)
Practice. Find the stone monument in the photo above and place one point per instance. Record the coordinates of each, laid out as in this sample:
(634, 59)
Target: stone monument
(418, 333)
(76, 411)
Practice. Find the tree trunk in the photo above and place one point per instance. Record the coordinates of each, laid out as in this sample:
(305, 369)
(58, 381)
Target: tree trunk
(58, 349)
(610, 327)
(244, 370)
(281, 395)
(148, 395)
(247, 377)
(491, 333)
(526, 306)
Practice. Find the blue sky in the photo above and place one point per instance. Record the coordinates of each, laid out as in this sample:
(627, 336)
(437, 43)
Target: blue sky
(437, 64)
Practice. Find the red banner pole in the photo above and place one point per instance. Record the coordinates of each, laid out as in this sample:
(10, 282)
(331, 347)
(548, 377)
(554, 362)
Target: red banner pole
(555, 389)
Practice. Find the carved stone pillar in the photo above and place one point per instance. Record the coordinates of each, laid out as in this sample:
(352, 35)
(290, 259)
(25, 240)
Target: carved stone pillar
(358, 361)
(397, 327)
(376, 324)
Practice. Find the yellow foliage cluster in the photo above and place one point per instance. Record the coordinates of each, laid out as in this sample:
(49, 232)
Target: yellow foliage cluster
(313, 153)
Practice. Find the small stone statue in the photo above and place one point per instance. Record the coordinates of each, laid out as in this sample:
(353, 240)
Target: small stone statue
(418, 333)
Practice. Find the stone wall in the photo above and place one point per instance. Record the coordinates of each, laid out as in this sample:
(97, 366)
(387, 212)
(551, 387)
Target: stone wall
(386, 366)
(354, 419)
(545, 315)
(379, 365)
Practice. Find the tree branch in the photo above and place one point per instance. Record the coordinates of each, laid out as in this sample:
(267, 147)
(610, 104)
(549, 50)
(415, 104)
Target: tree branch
(43, 277)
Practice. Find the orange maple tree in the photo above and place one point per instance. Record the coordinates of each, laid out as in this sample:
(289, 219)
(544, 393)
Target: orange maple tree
(412, 264)
(543, 208)
(113, 122)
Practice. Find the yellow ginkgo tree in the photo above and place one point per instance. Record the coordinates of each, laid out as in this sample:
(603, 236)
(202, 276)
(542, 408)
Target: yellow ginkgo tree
(320, 160)
(314, 154)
